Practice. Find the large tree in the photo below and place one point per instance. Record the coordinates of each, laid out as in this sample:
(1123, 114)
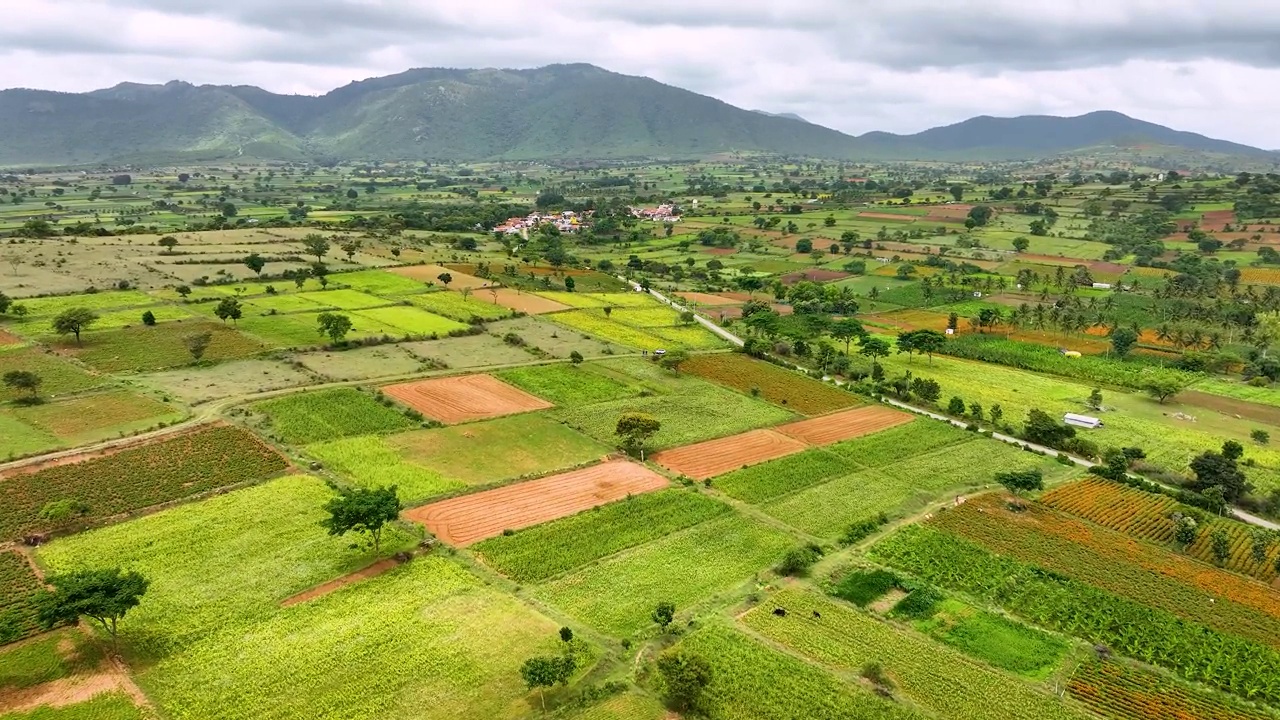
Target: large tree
(335, 325)
(684, 678)
(73, 321)
(362, 510)
(103, 595)
(316, 244)
(847, 330)
(634, 429)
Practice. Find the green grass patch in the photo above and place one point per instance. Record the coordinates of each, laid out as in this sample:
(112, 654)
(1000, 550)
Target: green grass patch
(88, 418)
(543, 551)
(52, 657)
(898, 443)
(568, 385)
(767, 481)
(464, 309)
(617, 595)
(330, 414)
(57, 376)
(160, 347)
(379, 282)
(20, 438)
(863, 587)
(107, 706)
(410, 320)
(344, 299)
(370, 461)
(996, 640)
(48, 307)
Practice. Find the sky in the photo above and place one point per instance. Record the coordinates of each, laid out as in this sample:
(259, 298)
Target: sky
(1208, 66)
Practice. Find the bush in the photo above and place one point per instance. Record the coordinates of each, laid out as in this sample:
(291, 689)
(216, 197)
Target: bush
(861, 587)
(862, 528)
(799, 559)
(921, 604)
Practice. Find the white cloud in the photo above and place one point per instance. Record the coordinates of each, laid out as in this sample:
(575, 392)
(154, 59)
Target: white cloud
(1200, 65)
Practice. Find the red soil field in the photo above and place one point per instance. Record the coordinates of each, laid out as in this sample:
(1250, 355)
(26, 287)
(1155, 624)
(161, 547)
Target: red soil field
(429, 273)
(844, 425)
(719, 251)
(453, 400)
(814, 275)
(464, 520)
(955, 213)
(707, 298)
(716, 457)
(523, 302)
(8, 338)
(887, 216)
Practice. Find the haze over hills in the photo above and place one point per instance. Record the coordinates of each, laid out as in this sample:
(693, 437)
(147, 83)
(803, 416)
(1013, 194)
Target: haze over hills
(553, 112)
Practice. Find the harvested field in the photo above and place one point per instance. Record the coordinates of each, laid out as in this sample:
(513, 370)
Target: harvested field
(468, 519)
(949, 212)
(525, 302)
(700, 298)
(461, 399)
(1268, 414)
(716, 457)
(430, 273)
(844, 425)
(813, 275)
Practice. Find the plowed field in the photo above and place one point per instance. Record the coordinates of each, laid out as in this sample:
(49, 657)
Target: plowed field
(465, 398)
(844, 425)
(716, 457)
(464, 520)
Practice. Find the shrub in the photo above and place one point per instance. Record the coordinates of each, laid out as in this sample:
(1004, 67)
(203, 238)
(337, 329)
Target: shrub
(799, 559)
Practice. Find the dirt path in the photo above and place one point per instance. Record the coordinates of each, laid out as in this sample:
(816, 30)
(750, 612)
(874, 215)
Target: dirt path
(373, 570)
(111, 675)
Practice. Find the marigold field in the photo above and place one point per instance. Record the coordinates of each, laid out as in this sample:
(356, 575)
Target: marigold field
(1129, 693)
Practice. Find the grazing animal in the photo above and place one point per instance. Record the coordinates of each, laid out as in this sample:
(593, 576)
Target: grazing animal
(780, 612)
(817, 615)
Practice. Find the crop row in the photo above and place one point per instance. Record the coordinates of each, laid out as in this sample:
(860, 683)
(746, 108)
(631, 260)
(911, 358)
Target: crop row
(1128, 693)
(566, 385)
(1146, 516)
(1040, 358)
(934, 676)
(330, 414)
(544, 551)
(1248, 669)
(901, 442)
(137, 477)
(18, 588)
(768, 481)
(1144, 573)
(783, 387)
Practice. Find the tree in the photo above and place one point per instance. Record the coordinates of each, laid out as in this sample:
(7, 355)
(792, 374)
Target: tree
(957, 192)
(74, 321)
(996, 412)
(445, 278)
(168, 242)
(317, 245)
(926, 342)
(183, 290)
(1122, 341)
(664, 613)
(103, 595)
(566, 634)
(5, 302)
(570, 284)
(351, 247)
(874, 348)
(576, 358)
(1042, 429)
(1022, 481)
(228, 308)
(1217, 470)
(847, 330)
(1020, 244)
(685, 676)
(672, 360)
(1220, 545)
(956, 405)
(362, 510)
(544, 671)
(148, 318)
(335, 325)
(1232, 450)
(635, 429)
(1260, 436)
(804, 245)
(24, 380)
(927, 389)
(197, 343)
(1185, 529)
(1095, 399)
(981, 215)
(1162, 388)
(255, 263)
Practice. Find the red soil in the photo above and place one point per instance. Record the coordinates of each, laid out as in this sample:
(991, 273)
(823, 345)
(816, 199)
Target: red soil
(719, 251)
(814, 274)
(9, 338)
(952, 213)
(1231, 406)
(464, 520)
(430, 273)
(464, 398)
(523, 302)
(373, 570)
(844, 425)
(716, 457)
(887, 216)
(707, 298)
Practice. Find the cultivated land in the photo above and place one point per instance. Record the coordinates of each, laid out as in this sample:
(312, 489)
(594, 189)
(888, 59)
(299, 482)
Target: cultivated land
(826, 555)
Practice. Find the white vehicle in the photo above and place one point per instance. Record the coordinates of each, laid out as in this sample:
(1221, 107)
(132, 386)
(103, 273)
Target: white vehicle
(1083, 421)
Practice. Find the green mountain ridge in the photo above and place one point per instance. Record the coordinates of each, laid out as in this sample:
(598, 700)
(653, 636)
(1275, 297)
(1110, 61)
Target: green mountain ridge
(554, 112)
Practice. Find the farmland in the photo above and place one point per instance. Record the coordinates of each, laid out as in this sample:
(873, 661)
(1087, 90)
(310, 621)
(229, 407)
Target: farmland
(329, 414)
(781, 387)
(17, 609)
(568, 386)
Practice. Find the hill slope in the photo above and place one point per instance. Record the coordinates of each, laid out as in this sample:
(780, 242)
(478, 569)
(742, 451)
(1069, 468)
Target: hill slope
(558, 111)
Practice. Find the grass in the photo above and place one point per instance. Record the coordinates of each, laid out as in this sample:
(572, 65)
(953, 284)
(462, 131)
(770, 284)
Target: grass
(996, 640)
(160, 347)
(600, 300)
(863, 587)
(544, 551)
(344, 299)
(453, 305)
(700, 411)
(21, 439)
(107, 706)
(568, 385)
(410, 320)
(86, 418)
(210, 640)
(330, 414)
(641, 336)
(302, 329)
(200, 383)
(48, 307)
(370, 461)
(899, 443)
(51, 657)
(57, 376)
(770, 480)
(378, 282)
(616, 595)
(628, 706)
(933, 676)
(779, 386)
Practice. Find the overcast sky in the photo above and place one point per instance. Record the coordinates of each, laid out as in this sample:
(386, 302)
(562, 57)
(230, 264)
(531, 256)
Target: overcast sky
(1209, 66)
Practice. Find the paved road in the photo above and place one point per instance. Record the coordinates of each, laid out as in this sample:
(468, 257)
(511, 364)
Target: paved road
(1082, 462)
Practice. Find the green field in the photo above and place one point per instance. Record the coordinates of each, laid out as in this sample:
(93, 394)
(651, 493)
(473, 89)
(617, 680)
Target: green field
(764, 482)
(567, 385)
(409, 320)
(454, 305)
(309, 417)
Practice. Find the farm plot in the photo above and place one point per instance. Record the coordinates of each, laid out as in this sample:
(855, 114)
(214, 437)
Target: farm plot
(20, 439)
(363, 363)
(844, 425)
(371, 461)
(933, 676)
(467, 519)
(195, 385)
(901, 442)
(568, 385)
(1126, 692)
(617, 595)
(464, 398)
(984, 635)
(777, 385)
(86, 418)
(468, 351)
(764, 482)
(595, 322)
(1145, 516)
(691, 412)
(600, 300)
(1147, 574)
(57, 376)
(18, 589)
(380, 282)
(547, 337)
(136, 477)
(752, 680)
(329, 414)
(716, 457)
(628, 706)
(343, 299)
(48, 307)
(160, 347)
(454, 305)
(544, 551)
(524, 302)
(421, 274)
(411, 320)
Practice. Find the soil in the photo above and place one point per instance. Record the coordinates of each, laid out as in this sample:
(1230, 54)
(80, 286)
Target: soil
(707, 298)
(109, 676)
(523, 302)
(815, 275)
(464, 398)
(716, 457)
(9, 338)
(1231, 406)
(464, 520)
(887, 216)
(320, 590)
(430, 273)
(844, 425)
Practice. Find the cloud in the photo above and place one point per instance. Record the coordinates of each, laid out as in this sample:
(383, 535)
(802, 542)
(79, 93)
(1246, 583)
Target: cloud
(856, 66)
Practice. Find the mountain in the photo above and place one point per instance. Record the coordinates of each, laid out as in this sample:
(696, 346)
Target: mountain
(554, 112)
(789, 116)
